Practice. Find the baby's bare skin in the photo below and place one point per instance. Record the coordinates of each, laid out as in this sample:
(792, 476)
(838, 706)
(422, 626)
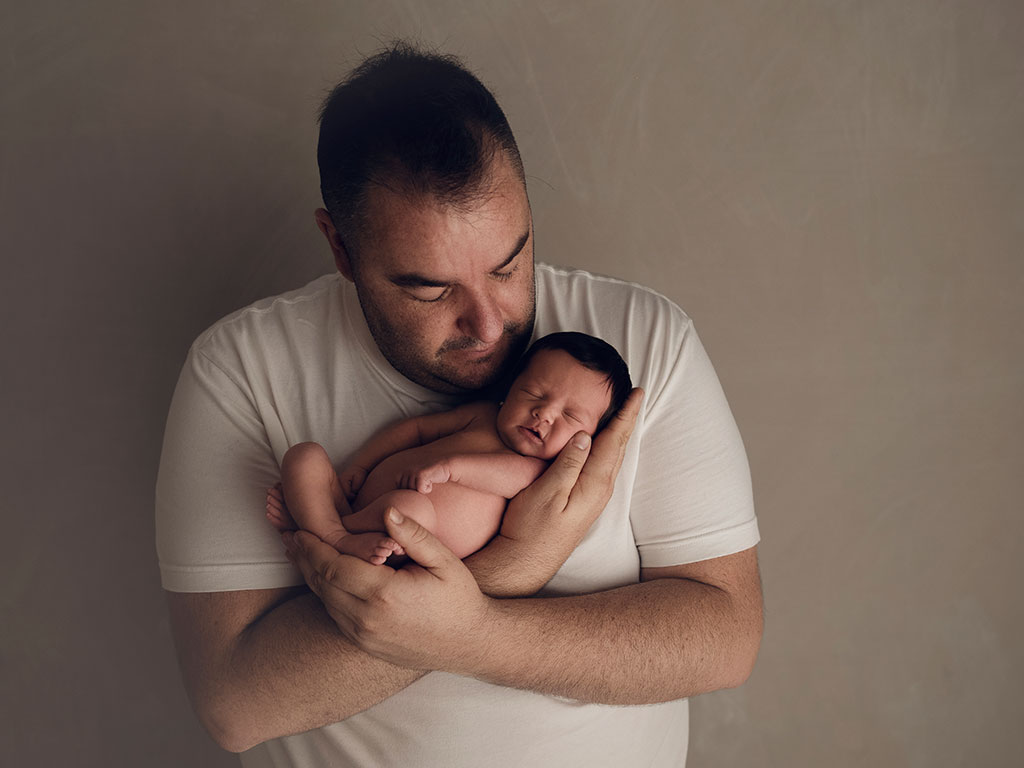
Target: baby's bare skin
(473, 501)
(466, 463)
(472, 510)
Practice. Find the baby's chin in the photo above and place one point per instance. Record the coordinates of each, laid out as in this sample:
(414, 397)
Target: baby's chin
(544, 451)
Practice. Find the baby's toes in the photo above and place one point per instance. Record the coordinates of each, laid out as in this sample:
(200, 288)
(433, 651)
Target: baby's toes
(384, 547)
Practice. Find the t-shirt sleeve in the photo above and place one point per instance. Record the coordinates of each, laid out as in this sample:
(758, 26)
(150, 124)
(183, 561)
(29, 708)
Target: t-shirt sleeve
(692, 497)
(216, 465)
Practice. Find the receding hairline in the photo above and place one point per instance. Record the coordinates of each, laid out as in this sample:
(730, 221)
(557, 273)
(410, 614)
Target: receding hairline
(395, 180)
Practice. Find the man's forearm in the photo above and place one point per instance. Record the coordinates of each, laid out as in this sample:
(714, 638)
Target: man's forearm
(288, 671)
(645, 643)
(510, 568)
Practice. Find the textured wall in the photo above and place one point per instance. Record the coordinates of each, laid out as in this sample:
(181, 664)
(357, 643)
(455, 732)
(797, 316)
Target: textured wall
(833, 190)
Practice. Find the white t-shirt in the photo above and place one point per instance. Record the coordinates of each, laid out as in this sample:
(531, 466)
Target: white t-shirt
(303, 366)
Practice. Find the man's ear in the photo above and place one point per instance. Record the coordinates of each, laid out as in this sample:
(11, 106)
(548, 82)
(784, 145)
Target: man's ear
(341, 259)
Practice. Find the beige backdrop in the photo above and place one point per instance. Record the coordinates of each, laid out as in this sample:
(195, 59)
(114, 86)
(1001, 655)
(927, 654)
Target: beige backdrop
(833, 190)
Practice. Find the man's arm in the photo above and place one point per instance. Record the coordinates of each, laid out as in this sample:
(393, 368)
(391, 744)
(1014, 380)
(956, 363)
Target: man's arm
(259, 664)
(685, 630)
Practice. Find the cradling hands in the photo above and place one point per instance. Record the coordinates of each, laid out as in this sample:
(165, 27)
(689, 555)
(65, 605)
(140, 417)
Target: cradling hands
(428, 615)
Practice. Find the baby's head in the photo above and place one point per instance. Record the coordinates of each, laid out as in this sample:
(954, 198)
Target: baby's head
(566, 382)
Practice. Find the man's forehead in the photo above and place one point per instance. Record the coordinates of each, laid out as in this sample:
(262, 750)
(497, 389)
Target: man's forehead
(499, 192)
(422, 237)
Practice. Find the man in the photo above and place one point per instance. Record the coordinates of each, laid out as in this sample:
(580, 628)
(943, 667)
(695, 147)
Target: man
(648, 593)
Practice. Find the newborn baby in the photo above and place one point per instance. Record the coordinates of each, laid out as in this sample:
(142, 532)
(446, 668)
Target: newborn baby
(454, 471)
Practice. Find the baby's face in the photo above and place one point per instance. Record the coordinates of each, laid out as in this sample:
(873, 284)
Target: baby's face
(549, 402)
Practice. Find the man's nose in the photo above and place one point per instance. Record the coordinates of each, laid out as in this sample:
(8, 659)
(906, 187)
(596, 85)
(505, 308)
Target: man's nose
(481, 318)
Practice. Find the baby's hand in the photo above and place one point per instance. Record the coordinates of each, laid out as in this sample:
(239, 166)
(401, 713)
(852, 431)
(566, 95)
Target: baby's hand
(352, 479)
(425, 478)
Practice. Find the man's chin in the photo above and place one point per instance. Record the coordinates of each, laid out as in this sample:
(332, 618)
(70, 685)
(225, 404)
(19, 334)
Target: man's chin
(466, 372)
(467, 382)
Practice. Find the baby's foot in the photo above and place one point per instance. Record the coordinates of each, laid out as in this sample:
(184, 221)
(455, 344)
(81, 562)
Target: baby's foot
(277, 510)
(374, 548)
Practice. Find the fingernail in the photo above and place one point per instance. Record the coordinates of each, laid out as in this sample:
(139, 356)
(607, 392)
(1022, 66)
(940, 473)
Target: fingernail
(396, 516)
(581, 441)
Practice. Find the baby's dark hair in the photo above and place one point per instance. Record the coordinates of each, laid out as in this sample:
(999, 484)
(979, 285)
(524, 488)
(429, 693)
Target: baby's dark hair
(592, 353)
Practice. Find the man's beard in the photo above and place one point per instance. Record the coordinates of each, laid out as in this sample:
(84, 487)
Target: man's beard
(436, 373)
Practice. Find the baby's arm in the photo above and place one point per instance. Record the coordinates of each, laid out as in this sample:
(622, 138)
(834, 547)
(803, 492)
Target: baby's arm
(504, 474)
(401, 436)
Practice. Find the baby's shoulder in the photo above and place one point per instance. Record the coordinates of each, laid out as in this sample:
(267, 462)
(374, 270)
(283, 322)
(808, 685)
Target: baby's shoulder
(479, 432)
(480, 415)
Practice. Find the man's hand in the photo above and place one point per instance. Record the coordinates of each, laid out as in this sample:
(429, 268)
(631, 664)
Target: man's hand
(428, 615)
(423, 479)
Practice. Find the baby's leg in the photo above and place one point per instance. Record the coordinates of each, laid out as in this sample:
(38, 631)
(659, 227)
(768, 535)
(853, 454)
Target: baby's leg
(313, 497)
(409, 503)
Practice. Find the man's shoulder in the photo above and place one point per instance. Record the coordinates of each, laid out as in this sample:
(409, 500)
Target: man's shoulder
(648, 329)
(574, 299)
(579, 283)
(273, 320)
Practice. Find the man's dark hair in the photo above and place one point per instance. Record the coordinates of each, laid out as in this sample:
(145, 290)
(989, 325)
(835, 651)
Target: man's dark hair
(592, 353)
(413, 121)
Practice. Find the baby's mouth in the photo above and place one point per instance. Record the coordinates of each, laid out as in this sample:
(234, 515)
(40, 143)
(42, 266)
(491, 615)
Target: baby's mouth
(532, 434)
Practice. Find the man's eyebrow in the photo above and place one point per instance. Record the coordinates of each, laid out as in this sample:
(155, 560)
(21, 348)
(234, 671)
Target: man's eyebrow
(516, 250)
(415, 279)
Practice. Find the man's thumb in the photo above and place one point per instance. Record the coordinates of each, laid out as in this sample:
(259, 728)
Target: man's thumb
(419, 543)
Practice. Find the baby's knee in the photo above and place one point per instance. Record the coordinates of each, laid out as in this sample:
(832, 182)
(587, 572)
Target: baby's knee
(304, 459)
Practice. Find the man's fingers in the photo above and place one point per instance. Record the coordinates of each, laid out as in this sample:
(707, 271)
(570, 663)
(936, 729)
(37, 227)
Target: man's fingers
(597, 479)
(419, 543)
(558, 479)
(582, 468)
(610, 445)
(330, 574)
(313, 557)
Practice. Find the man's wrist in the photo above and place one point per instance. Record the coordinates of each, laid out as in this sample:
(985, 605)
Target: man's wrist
(479, 650)
(507, 568)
